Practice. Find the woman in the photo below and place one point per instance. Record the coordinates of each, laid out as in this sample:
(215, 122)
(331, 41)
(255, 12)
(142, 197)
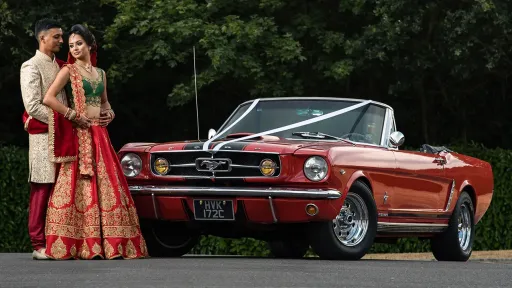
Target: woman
(90, 213)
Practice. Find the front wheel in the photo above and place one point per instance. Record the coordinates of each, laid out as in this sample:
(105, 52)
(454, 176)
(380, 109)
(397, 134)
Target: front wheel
(351, 234)
(456, 242)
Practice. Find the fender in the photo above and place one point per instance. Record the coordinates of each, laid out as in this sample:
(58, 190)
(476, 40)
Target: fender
(357, 175)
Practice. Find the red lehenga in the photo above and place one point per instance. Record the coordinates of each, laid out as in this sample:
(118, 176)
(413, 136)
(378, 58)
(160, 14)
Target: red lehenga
(91, 213)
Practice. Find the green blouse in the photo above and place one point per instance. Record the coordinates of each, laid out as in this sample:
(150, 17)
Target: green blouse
(92, 89)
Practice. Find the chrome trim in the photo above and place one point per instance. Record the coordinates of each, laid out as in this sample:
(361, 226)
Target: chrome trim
(450, 198)
(236, 191)
(272, 209)
(410, 227)
(154, 205)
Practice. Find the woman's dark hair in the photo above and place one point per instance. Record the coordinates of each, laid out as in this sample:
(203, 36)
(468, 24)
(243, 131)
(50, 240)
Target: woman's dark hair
(86, 34)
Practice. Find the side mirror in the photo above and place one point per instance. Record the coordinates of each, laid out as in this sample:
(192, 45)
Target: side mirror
(211, 133)
(397, 138)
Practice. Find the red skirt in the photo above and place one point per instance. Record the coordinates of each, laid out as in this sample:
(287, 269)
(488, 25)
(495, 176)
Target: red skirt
(93, 216)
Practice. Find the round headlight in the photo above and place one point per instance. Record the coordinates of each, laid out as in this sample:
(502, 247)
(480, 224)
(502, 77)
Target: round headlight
(161, 166)
(131, 164)
(268, 167)
(315, 168)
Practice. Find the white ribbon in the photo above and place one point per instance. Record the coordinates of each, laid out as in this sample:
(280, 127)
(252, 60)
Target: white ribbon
(291, 126)
(207, 143)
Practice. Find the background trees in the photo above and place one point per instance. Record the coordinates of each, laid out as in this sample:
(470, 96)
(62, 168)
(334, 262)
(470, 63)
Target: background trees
(441, 65)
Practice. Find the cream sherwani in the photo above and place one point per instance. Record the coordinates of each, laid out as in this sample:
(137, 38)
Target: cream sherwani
(36, 76)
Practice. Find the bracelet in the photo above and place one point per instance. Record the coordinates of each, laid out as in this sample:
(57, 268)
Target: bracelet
(67, 114)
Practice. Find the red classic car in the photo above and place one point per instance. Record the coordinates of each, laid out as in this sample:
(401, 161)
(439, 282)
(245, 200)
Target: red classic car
(303, 172)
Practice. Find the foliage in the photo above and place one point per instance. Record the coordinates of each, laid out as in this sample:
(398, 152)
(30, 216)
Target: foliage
(494, 232)
(14, 196)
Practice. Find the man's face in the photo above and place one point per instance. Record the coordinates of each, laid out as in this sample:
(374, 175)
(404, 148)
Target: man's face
(52, 39)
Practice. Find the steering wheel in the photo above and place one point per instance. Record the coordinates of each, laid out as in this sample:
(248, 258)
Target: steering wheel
(358, 137)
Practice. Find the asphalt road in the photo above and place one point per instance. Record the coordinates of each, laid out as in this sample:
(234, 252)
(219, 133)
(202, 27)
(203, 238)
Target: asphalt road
(19, 270)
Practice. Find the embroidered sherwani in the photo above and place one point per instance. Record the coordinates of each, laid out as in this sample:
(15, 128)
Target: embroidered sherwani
(36, 76)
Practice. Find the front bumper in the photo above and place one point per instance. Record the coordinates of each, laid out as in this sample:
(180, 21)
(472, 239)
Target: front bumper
(255, 204)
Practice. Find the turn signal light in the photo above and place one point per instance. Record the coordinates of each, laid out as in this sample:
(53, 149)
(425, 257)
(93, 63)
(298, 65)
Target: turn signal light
(161, 166)
(311, 209)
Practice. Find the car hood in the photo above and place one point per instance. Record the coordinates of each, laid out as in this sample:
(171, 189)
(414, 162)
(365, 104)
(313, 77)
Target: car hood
(264, 144)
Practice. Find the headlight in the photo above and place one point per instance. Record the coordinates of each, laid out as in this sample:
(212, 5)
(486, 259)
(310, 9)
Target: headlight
(315, 168)
(131, 164)
(161, 166)
(268, 167)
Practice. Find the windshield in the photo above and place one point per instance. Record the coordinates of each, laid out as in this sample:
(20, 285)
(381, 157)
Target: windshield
(363, 124)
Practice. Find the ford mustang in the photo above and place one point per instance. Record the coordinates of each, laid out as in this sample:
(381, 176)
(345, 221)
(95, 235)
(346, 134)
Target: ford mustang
(301, 172)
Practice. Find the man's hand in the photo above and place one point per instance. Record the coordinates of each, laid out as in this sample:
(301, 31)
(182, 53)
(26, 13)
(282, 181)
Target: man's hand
(83, 121)
(105, 118)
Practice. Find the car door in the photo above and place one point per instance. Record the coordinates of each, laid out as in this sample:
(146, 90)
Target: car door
(421, 184)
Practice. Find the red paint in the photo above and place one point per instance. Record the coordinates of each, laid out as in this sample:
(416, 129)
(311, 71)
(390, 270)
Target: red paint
(414, 183)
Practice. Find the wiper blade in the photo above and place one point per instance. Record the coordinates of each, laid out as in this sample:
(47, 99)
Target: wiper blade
(316, 135)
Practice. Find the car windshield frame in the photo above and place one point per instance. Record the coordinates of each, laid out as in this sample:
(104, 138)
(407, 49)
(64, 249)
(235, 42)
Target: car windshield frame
(387, 122)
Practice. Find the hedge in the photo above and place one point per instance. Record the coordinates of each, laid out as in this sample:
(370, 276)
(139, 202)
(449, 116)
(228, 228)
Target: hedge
(494, 232)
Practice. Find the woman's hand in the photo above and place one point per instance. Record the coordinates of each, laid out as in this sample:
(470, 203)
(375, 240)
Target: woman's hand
(105, 118)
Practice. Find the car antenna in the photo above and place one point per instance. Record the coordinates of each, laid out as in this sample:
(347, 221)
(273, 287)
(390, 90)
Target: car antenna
(195, 85)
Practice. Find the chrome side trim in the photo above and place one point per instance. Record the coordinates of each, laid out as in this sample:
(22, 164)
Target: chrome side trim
(154, 205)
(391, 227)
(450, 198)
(234, 151)
(236, 191)
(272, 209)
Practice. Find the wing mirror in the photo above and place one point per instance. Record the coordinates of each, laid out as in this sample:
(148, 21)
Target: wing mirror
(396, 138)
(211, 133)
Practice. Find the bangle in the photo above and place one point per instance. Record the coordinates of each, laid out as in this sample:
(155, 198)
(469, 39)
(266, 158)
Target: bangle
(67, 114)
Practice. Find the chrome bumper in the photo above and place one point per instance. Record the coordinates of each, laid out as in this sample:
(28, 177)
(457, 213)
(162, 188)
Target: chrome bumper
(235, 191)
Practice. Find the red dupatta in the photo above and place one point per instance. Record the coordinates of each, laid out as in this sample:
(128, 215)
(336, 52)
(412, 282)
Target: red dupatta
(63, 139)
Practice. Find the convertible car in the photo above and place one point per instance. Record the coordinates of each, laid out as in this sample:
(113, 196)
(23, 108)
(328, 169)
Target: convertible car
(301, 172)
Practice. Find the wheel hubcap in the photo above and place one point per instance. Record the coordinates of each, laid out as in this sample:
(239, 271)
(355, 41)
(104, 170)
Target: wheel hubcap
(351, 224)
(464, 227)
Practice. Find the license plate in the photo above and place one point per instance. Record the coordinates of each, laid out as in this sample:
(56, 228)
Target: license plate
(213, 209)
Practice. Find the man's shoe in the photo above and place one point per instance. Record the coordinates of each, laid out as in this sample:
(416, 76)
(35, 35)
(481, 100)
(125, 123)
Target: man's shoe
(39, 254)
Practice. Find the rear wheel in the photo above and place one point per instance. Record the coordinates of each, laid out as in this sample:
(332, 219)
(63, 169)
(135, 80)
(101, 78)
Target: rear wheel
(456, 242)
(165, 239)
(351, 234)
(288, 248)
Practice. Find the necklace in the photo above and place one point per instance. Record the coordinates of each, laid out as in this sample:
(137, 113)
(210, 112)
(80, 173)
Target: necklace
(87, 67)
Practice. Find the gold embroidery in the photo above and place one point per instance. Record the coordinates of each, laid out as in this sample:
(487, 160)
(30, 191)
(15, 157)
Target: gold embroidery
(106, 189)
(70, 223)
(130, 249)
(84, 135)
(96, 249)
(83, 194)
(120, 249)
(62, 194)
(59, 248)
(143, 248)
(84, 251)
(109, 250)
(73, 250)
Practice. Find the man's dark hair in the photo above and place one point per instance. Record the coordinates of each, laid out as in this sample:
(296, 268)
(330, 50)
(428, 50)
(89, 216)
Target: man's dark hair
(45, 25)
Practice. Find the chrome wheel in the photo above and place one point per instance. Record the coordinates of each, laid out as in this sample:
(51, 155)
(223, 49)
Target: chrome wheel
(351, 224)
(464, 227)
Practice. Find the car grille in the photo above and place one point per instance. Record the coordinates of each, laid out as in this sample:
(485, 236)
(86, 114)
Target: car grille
(243, 164)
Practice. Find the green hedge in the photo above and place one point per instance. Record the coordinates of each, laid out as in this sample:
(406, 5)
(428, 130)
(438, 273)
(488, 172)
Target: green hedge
(494, 232)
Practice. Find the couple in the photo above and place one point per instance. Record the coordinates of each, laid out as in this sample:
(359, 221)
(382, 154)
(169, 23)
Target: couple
(80, 205)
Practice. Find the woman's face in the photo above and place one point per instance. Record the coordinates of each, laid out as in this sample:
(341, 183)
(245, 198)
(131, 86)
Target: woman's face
(77, 46)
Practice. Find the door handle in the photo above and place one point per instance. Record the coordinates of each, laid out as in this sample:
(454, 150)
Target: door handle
(440, 160)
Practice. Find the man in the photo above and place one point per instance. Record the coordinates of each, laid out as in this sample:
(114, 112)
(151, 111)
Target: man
(36, 76)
